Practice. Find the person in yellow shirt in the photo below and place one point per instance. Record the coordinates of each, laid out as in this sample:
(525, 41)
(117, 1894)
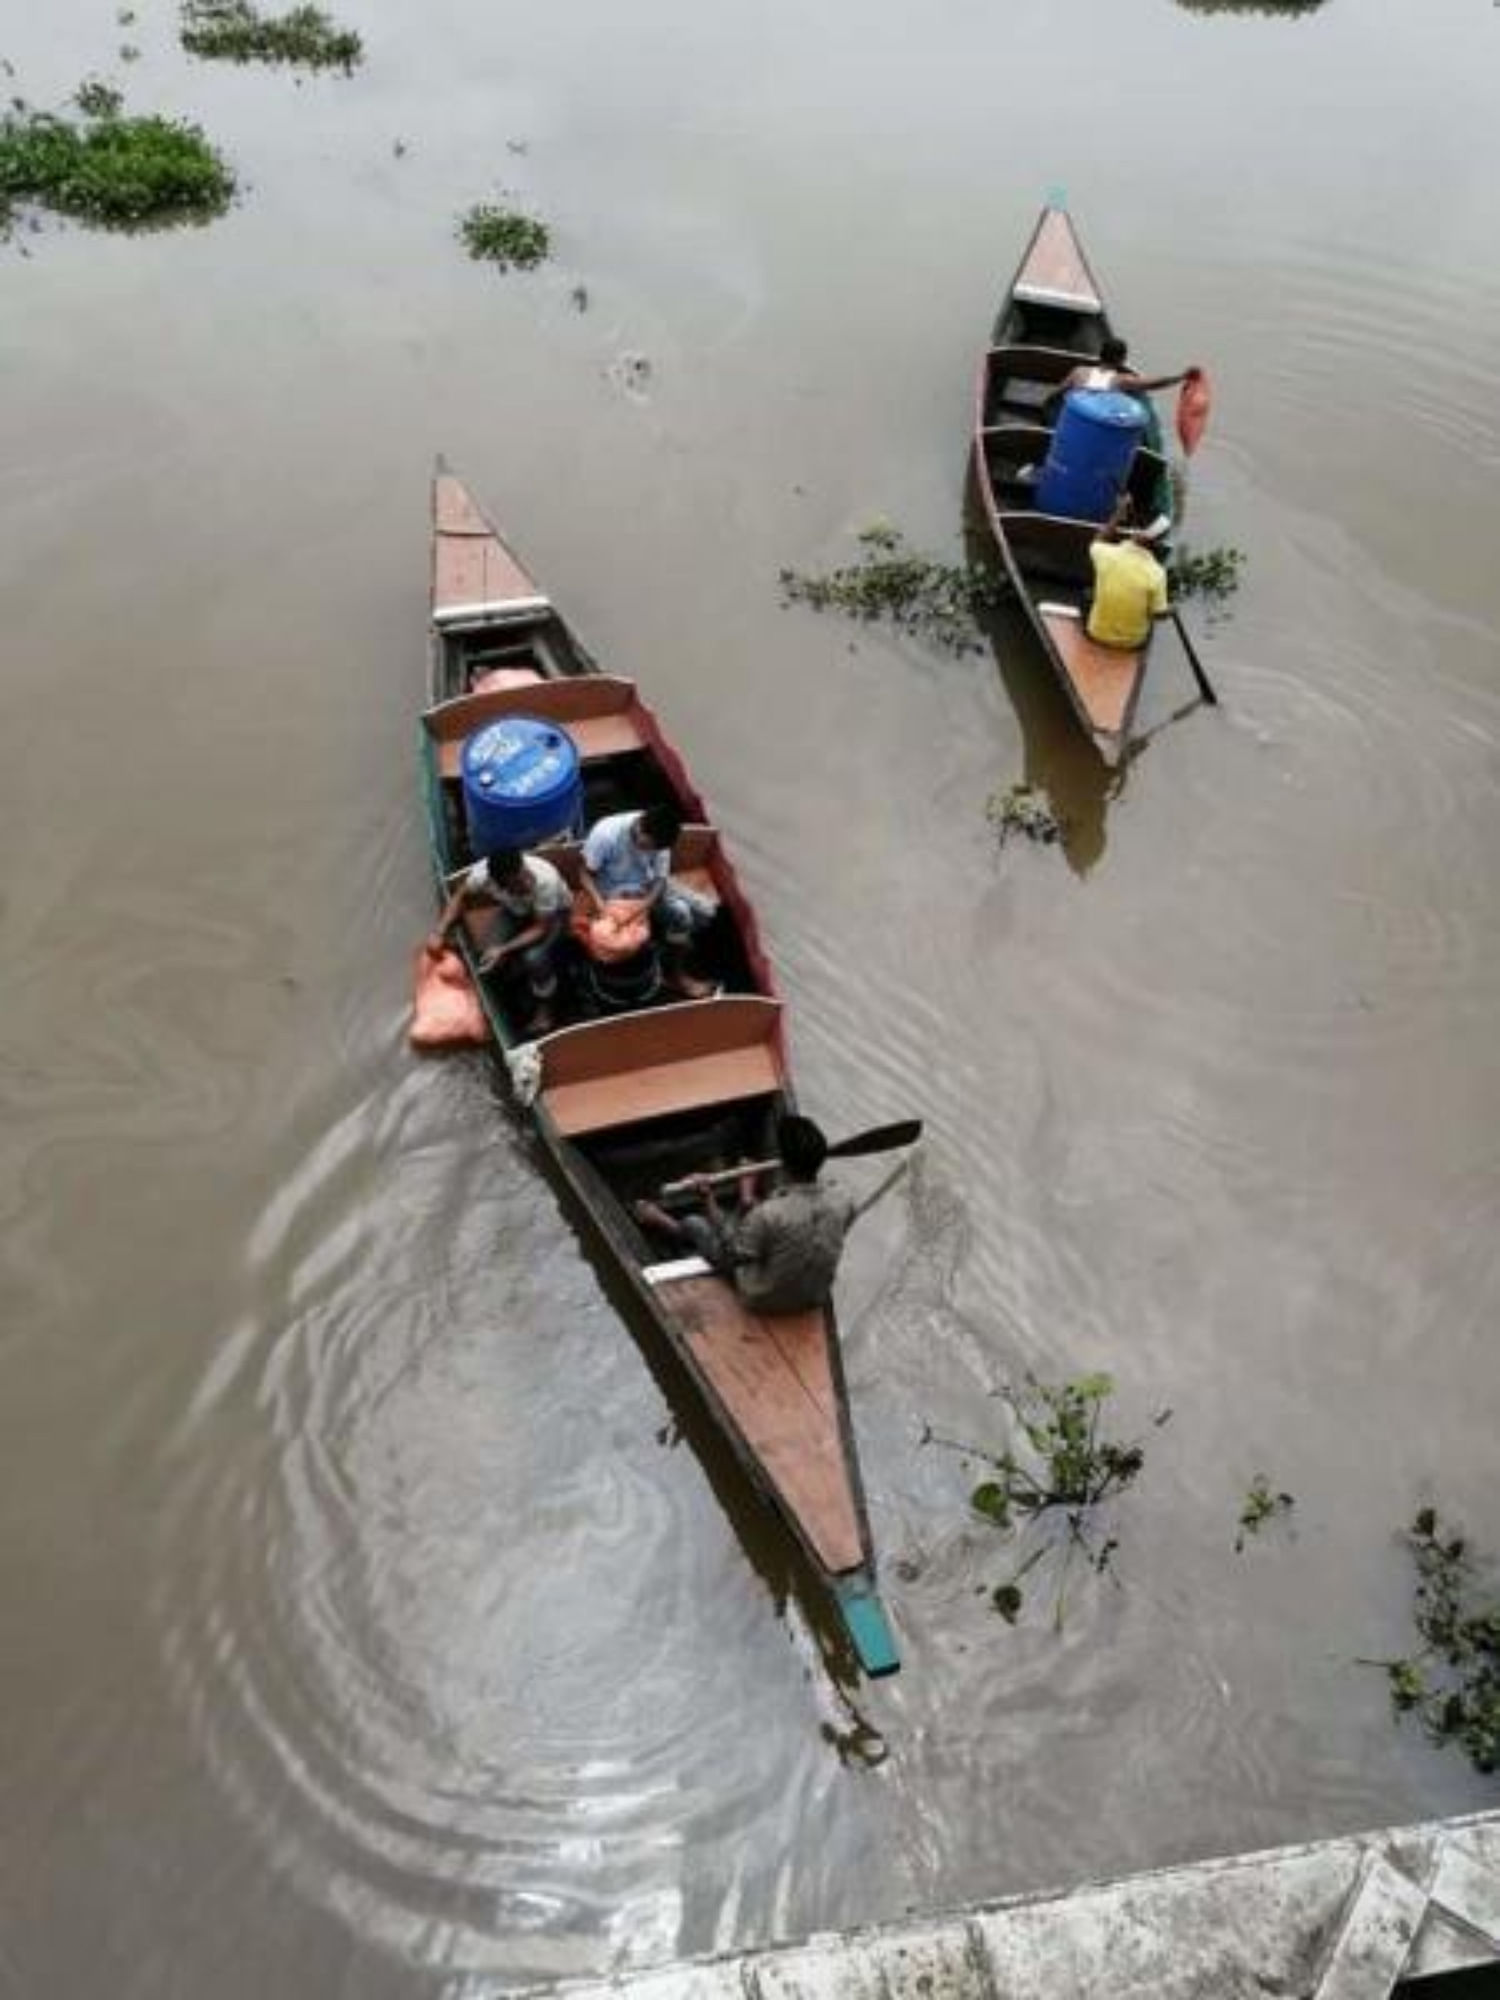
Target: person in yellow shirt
(1130, 587)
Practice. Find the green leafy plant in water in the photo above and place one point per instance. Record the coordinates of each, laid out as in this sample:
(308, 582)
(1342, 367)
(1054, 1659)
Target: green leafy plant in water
(1214, 574)
(1024, 809)
(1453, 1683)
(1259, 1506)
(96, 99)
(113, 171)
(1055, 1481)
(941, 603)
(503, 237)
(237, 31)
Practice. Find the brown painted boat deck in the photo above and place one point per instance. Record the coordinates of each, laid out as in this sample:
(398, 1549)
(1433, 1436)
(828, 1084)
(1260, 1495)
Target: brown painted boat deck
(470, 564)
(1055, 268)
(1104, 677)
(774, 1376)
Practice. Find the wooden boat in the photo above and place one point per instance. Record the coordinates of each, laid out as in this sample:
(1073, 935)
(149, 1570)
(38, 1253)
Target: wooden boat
(628, 1101)
(1052, 319)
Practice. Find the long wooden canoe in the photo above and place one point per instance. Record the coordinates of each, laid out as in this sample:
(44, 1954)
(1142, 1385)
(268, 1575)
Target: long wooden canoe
(1053, 318)
(626, 1101)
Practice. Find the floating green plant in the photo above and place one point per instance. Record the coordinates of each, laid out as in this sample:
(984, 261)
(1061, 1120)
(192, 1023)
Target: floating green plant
(1453, 1683)
(1056, 1480)
(1024, 809)
(941, 603)
(1259, 1506)
(1214, 575)
(113, 171)
(237, 31)
(503, 237)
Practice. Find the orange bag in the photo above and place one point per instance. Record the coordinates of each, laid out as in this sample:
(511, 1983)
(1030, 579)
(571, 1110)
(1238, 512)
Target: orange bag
(621, 929)
(446, 1013)
(1194, 401)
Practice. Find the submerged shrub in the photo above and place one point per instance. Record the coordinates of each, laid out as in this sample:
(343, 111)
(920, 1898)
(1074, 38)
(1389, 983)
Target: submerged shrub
(114, 171)
(503, 237)
(236, 31)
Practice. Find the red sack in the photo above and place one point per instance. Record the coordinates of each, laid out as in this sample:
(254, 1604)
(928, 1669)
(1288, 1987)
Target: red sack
(1194, 401)
(620, 930)
(446, 1013)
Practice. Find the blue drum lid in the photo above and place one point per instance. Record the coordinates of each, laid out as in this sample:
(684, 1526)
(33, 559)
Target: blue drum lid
(1108, 407)
(519, 759)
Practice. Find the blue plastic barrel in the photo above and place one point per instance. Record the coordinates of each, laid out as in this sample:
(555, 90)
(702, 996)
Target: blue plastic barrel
(1095, 440)
(521, 782)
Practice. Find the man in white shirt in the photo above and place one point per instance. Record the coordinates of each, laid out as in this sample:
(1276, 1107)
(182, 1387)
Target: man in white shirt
(528, 903)
(629, 856)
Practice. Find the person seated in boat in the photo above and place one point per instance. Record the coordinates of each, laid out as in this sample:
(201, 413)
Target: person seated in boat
(1130, 585)
(628, 857)
(782, 1251)
(525, 902)
(1113, 371)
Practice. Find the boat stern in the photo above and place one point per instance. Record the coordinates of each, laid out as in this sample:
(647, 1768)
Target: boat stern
(866, 1623)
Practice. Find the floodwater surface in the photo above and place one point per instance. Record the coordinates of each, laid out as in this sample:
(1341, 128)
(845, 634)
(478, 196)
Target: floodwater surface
(379, 1617)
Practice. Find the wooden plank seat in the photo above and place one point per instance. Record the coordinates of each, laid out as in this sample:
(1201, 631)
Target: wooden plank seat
(632, 1067)
(601, 714)
(774, 1376)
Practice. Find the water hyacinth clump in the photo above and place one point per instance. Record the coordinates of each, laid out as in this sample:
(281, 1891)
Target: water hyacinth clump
(1213, 574)
(1453, 1683)
(111, 170)
(1054, 1481)
(503, 237)
(1024, 809)
(941, 603)
(236, 31)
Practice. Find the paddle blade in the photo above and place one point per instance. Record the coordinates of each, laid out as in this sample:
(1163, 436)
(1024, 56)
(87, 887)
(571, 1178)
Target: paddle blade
(1195, 400)
(879, 1139)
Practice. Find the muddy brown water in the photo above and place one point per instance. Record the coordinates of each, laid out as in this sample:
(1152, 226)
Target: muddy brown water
(377, 1617)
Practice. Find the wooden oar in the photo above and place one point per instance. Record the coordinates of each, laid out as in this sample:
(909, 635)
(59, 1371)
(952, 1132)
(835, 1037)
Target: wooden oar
(1205, 685)
(878, 1139)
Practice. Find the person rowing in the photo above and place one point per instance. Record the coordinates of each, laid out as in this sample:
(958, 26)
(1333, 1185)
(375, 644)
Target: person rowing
(782, 1250)
(1130, 585)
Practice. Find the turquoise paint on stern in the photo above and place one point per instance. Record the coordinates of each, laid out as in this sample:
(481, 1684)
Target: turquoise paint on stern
(869, 1628)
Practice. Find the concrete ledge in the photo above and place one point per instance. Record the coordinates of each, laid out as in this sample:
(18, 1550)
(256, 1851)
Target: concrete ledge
(1335, 1920)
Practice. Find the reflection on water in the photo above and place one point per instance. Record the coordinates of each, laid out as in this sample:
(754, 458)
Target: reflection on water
(1058, 758)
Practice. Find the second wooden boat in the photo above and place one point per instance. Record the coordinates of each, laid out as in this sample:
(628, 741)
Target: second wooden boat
(625, 1101)
(1052, 319)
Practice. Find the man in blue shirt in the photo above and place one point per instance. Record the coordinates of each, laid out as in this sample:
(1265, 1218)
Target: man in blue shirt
(628, 856)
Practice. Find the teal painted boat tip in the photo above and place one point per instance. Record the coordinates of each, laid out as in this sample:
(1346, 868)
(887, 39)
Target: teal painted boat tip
(869, 1628)
(1056, 197)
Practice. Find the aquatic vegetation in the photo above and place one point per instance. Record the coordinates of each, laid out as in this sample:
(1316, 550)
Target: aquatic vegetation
(1214, 574)
(503, 237)
(1055, 1481)
(1453, 1683)
(237, 31)
(1260, 1505)
(941, 603)
(111, 170)
(1024, 809)
(96, 99)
